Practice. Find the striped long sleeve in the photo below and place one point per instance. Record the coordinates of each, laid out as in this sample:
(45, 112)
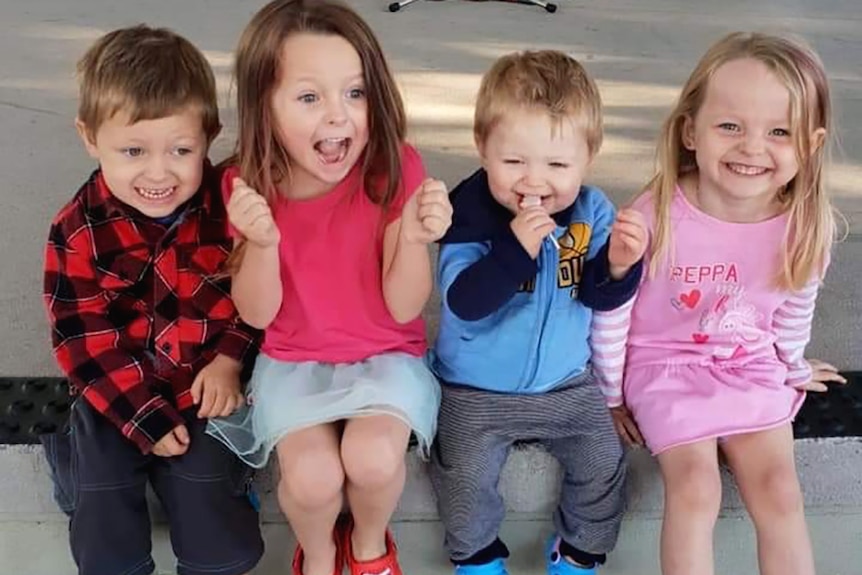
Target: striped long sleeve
(608, 338)
(792, 325)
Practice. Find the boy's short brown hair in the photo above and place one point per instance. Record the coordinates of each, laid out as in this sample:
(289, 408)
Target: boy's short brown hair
(546, 80)
(148, 73)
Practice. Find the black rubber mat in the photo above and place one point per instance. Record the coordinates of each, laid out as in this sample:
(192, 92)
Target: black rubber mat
(33, 406)
(837, 413)
(30, 407)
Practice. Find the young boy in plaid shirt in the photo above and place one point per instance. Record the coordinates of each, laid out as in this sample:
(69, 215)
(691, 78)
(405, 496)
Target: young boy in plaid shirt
(142, 321)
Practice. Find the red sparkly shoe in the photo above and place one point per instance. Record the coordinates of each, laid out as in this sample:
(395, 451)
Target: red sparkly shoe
(386, 565)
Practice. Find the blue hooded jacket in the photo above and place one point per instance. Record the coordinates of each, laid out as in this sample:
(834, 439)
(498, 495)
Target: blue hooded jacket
(512, 324)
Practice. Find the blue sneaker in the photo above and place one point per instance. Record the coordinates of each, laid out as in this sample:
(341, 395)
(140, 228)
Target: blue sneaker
(556, 564)
(495, 567)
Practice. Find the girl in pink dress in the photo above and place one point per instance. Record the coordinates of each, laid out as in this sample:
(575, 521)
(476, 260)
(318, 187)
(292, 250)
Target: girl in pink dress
(740, 232)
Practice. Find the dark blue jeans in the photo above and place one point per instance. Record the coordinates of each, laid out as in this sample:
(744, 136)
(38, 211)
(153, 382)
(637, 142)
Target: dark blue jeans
(100, 480)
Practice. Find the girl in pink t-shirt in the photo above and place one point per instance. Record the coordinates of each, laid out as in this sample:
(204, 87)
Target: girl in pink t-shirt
(740, 232)
(332, 216)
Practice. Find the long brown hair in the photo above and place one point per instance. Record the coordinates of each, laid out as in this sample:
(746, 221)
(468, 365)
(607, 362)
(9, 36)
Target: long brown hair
(811, 223)
(261, 158)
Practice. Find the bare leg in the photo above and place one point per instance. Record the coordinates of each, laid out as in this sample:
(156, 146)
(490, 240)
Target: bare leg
(310, 492)
(765, 470)
(692, 487)
(373, 450)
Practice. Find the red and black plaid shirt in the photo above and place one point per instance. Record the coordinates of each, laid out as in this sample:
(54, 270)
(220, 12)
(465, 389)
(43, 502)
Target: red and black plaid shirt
(137, 308)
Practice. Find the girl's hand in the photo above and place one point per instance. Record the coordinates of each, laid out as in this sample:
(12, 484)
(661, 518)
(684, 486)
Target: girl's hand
(249, 213)
(821, 374)
(427, 214)
(628, 242)
(626, 426)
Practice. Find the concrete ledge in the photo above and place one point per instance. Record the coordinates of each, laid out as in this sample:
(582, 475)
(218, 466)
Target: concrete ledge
(42, 548)
(829, 470)
(34, 535)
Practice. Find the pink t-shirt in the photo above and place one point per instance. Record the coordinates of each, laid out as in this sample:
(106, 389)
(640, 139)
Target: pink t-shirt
(714, 301)
(717, 297)
(331, 254)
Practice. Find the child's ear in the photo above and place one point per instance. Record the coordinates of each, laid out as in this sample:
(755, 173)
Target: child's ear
(687, 133)
(88, 138)
(818, 139)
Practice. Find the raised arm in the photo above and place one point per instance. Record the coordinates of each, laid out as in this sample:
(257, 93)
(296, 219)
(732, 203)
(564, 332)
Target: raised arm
(256, 289)
(407, 276)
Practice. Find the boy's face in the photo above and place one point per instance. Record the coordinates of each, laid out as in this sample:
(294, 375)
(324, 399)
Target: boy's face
(527, 156)
(154, 166)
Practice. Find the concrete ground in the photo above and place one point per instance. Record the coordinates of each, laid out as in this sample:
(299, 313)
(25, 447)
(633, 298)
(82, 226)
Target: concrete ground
(419, 544)
(33, 533)
(640, 52)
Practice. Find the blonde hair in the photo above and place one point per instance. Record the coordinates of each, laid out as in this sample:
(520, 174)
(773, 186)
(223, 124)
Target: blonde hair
(146, 73)
(546, 80)
(811, 224)
(262, 160)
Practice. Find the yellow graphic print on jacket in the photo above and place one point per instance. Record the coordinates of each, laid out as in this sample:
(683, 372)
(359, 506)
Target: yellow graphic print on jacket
(574, 244)
(573, 253)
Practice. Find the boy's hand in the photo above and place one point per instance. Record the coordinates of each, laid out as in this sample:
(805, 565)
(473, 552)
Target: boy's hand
(176, 442)
(821, 374)
(531, 226)
(626, 426)
(249, 213)
(217, 389)
(628, 242)
(427, 214)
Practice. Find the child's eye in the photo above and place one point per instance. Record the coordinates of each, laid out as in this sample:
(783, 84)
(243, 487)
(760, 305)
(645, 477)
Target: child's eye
(183, 151)
(356, 93)
(308, 98)
(511, 161)
(559, 165)
(729, 127)
(780, 132)
(133, 152)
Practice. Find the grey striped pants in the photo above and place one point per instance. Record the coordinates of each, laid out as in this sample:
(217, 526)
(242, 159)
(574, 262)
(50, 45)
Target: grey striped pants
(476, 428)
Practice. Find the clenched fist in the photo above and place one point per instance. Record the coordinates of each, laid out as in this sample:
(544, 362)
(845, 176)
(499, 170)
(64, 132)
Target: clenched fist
(628, 242)
(531, 226)
(251, 215)
(427, 214)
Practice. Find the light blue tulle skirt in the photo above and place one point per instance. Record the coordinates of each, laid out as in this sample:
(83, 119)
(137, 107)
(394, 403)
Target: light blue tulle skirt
(284, 397)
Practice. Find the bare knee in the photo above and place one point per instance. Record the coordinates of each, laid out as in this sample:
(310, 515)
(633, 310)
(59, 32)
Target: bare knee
(311, 478)
(777, 492)
(372, 460)
(695, 487)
